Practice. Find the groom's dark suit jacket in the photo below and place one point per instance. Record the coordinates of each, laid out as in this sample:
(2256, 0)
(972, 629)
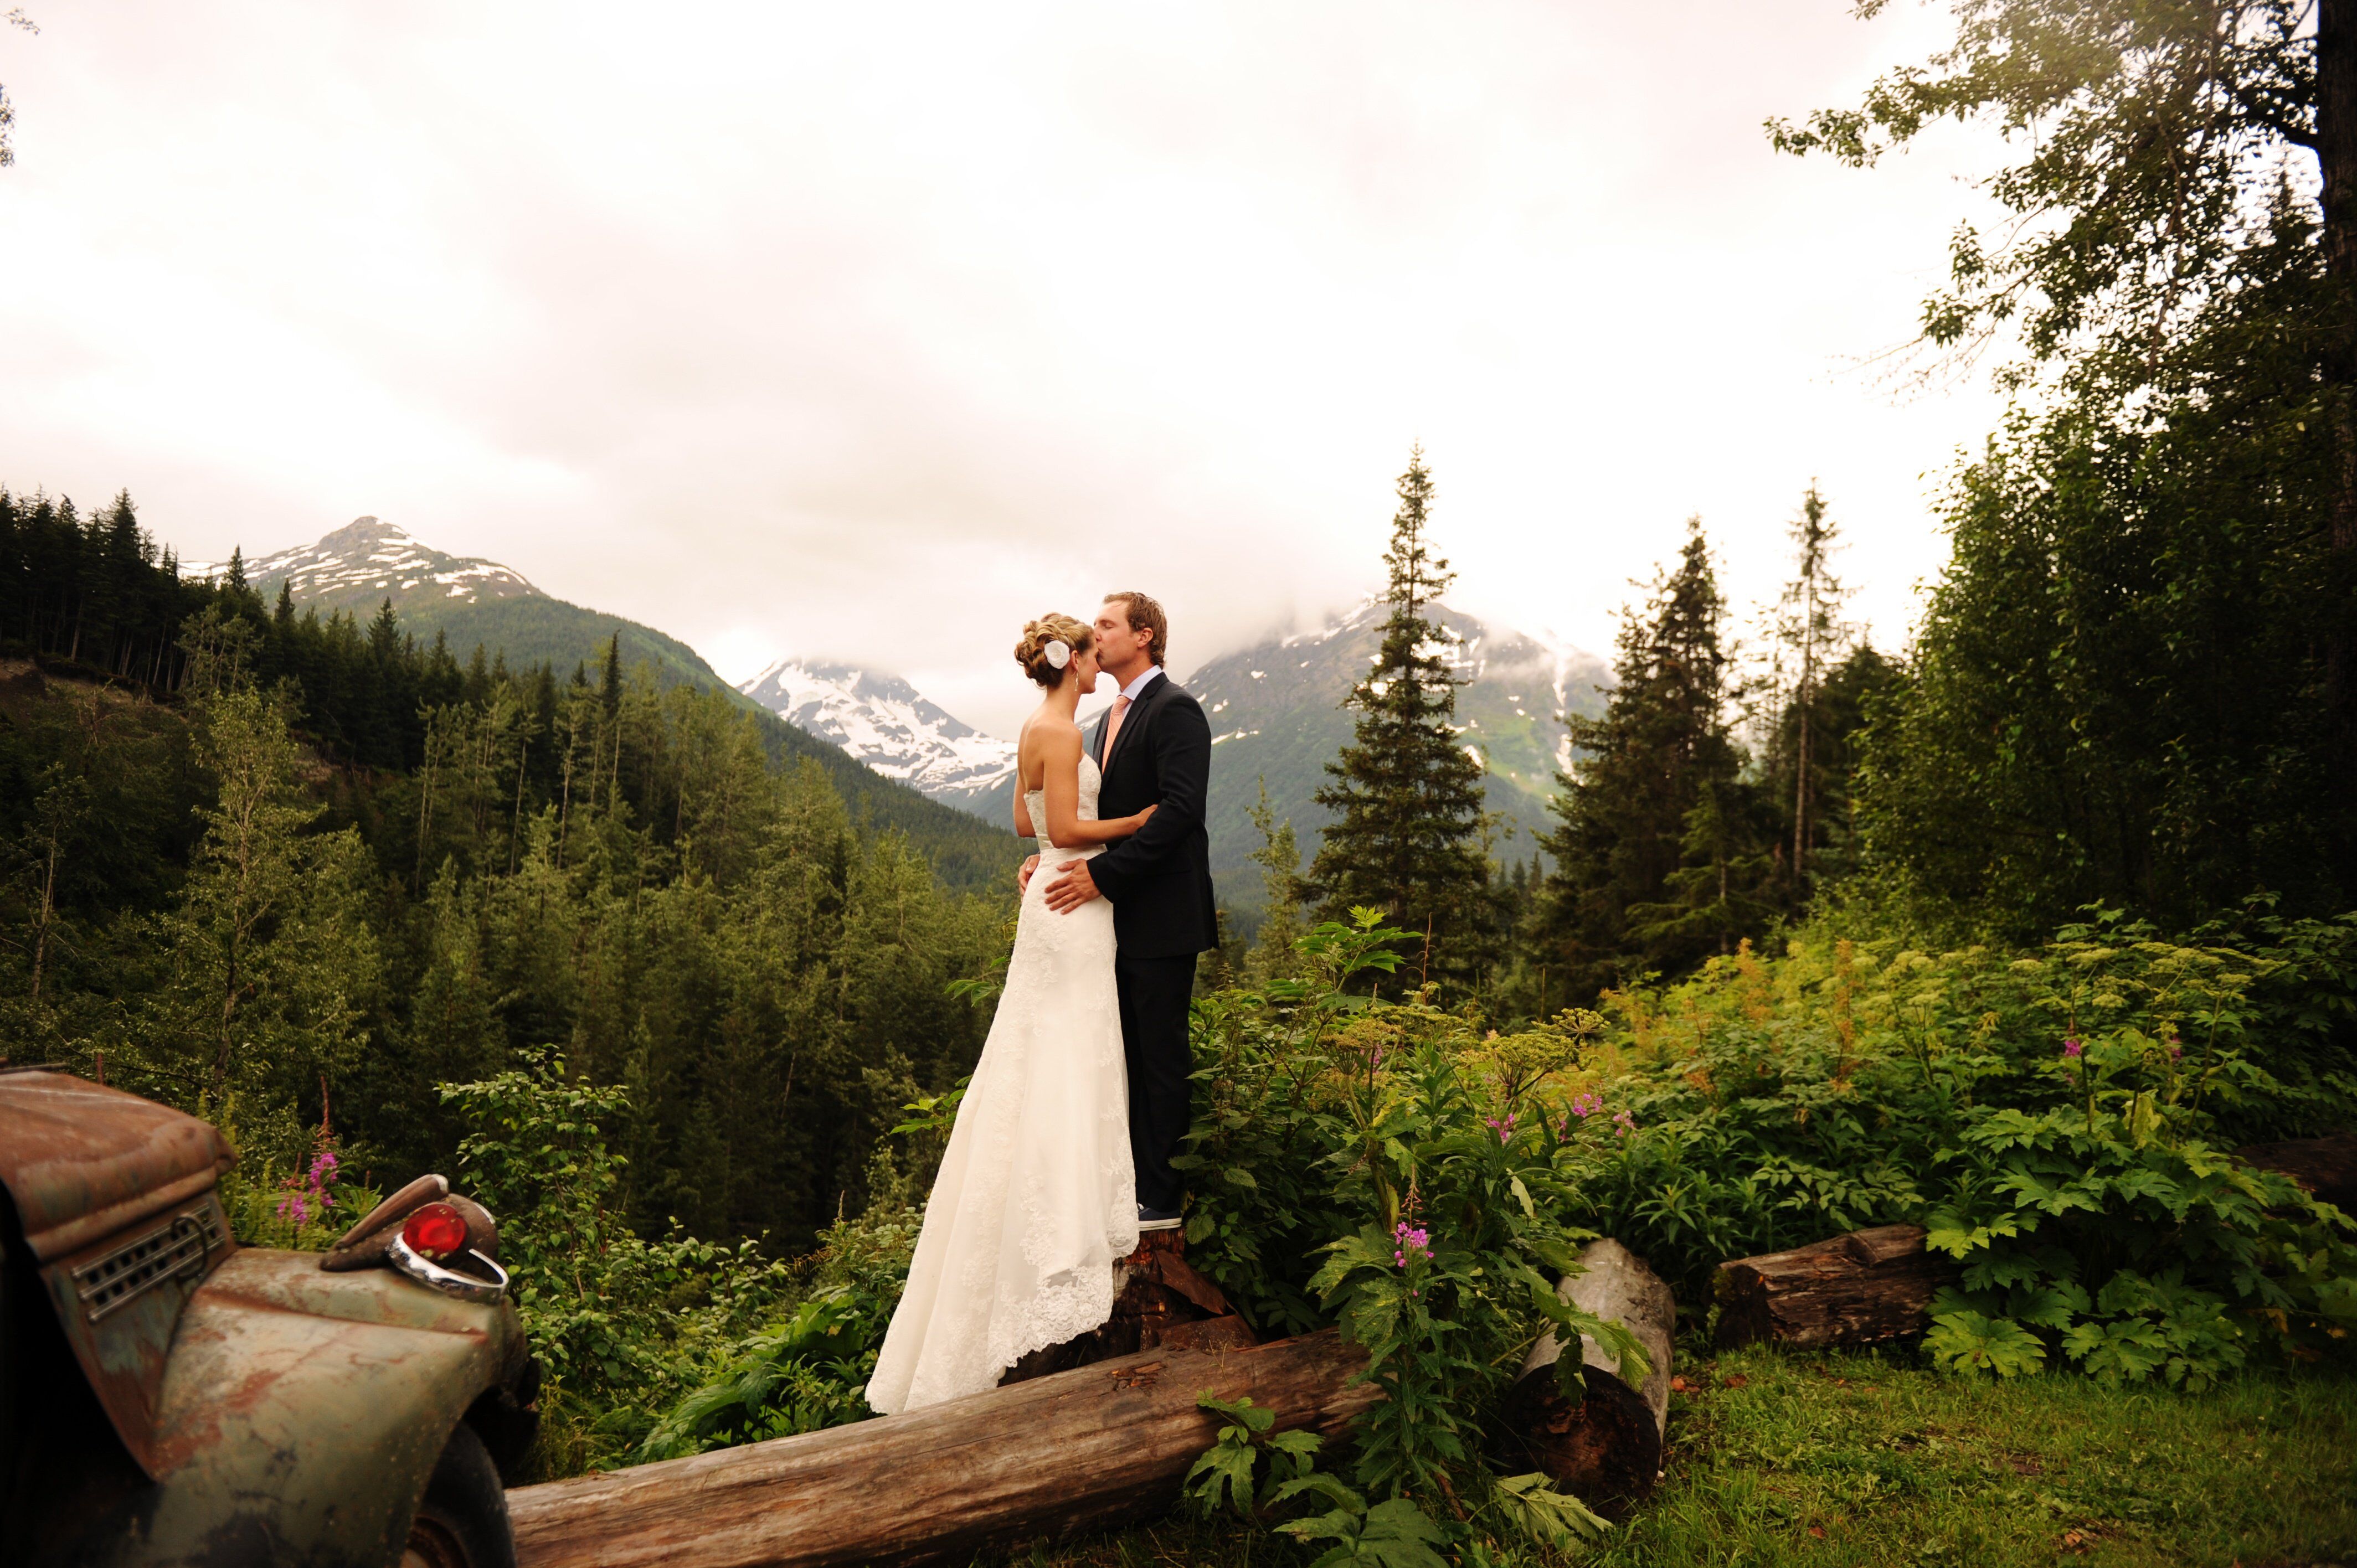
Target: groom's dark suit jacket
(1159, 879)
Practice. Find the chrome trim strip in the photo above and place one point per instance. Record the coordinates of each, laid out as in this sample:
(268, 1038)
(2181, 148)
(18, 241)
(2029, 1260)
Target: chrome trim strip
(409, 1261)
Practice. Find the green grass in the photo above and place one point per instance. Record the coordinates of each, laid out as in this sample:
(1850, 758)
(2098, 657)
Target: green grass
(1834, 1459)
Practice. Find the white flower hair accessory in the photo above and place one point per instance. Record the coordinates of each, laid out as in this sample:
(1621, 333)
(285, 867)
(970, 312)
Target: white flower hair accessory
(1059, 653)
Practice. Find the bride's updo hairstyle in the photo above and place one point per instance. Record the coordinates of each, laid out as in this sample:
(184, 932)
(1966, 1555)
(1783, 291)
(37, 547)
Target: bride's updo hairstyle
(1032, 653)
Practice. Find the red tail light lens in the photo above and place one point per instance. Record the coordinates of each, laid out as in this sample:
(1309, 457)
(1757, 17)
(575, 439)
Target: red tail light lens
(436, 1230)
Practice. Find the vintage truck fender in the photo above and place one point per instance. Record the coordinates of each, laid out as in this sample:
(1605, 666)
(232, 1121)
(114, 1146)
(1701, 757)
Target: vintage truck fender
(301, 1415)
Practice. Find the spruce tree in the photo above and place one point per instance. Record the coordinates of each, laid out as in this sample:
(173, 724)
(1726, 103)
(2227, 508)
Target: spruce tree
(1811, 636)
(1407, 838)
(1657, 843)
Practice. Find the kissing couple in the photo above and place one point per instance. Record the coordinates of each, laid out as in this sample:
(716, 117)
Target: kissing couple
(1061, 1153)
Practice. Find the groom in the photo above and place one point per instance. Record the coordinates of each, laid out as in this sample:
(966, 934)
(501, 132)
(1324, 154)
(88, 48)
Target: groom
(1153, 747)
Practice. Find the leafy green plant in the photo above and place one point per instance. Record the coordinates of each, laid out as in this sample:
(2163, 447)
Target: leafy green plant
(1227, 1470)
(1393, 1534)
(622, 1326)
(808, 1373)
(2058, 1120)
(1389, 1167)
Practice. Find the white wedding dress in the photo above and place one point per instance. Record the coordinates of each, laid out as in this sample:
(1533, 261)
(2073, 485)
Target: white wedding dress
(1037, 1198)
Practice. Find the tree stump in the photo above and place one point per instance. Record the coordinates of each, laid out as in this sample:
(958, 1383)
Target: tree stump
(1605, 1448)
(2326, 1167)
(1858, 1289)
(1159, 1300)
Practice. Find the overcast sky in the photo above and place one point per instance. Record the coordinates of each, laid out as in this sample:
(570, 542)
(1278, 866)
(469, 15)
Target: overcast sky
(870, 330)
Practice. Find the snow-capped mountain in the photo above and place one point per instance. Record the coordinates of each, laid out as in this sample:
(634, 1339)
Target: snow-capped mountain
(368, 561)
(887, 724)
(1277, 717)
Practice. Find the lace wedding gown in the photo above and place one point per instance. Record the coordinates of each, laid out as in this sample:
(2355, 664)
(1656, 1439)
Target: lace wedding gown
(1037, 1198)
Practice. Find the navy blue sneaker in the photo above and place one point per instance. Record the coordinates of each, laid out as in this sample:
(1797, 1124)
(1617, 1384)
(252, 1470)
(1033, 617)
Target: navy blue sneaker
(1157, 1219)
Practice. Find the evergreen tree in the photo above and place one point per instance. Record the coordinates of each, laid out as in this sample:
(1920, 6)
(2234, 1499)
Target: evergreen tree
(1407, 795)
(1810, 634)
(1658, 845)
(1273, 953)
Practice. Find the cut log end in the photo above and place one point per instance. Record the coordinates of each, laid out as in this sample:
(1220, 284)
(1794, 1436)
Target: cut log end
(1605, 1448)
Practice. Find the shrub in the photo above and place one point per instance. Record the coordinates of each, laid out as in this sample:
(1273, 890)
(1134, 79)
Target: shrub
(2059, 1120)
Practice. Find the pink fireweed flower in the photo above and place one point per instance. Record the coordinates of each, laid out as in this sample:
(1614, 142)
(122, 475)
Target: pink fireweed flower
(1505, 1130)
(1623, 1124)
(2072, 1046)
(1413, 1243)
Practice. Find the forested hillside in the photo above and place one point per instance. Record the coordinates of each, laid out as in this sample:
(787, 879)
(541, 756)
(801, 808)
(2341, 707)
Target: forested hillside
(371, 653)
(296, 873)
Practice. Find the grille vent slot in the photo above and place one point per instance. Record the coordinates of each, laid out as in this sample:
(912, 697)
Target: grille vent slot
(175, 1249)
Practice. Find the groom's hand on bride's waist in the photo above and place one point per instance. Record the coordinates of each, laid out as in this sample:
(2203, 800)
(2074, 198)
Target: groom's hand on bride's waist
(1073, 888)
(1023, 876)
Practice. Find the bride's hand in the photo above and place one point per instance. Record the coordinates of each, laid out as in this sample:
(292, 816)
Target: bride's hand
(1139, 821)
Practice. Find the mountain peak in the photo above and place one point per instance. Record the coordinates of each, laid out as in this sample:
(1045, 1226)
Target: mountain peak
(368, 559)
(887, 724)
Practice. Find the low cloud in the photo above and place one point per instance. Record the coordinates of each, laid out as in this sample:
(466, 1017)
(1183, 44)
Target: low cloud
(871, 332)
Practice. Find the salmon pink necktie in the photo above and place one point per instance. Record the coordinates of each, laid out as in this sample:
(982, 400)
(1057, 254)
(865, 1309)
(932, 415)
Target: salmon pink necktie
(1113, 724)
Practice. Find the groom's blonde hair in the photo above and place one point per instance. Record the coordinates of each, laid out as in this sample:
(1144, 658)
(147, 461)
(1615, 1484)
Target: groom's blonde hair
(1146, 615)
(1032, 652)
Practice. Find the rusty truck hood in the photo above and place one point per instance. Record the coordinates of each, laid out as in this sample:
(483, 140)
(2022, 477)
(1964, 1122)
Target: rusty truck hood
(301, 1415)
(115, 1198)
(83, 1161)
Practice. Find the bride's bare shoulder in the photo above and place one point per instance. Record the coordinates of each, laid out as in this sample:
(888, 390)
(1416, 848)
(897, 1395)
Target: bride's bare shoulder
(1047, 735)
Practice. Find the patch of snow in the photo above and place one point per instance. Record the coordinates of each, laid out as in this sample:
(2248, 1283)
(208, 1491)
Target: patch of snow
(885, 723)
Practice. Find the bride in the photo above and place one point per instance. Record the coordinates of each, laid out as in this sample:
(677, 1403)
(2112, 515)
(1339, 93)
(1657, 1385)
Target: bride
(1037, 1198)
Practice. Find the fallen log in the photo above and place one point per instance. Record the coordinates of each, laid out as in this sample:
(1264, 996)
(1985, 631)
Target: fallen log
(1855, 1289)
(2326, 1166)
(1054, 1457)
(1604, 1449)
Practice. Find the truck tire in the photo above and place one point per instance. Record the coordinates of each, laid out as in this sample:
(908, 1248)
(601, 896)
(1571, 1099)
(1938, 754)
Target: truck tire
(463, 1521)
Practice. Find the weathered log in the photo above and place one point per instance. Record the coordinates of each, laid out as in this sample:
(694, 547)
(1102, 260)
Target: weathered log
(1054, 1457)
(1855, 1289)
(1605, 1449)
(2326, 1166)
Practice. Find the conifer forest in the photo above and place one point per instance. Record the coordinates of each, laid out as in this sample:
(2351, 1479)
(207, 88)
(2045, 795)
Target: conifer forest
(2010, 927)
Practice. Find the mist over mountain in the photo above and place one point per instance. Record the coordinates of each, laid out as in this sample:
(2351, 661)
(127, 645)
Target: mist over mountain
(1277, 717)
(1276, 707)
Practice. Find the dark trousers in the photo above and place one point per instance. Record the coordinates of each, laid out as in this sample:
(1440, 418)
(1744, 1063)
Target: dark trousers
(1155, 992)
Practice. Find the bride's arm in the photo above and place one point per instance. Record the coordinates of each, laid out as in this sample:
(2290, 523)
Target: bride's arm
(1061, 753)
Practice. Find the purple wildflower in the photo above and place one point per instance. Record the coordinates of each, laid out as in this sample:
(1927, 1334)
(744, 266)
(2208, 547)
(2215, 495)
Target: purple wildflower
(2072, 1047)
(1586, 1105)
(1505, 1130)
(1413, 1243)
(1623, 1124)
